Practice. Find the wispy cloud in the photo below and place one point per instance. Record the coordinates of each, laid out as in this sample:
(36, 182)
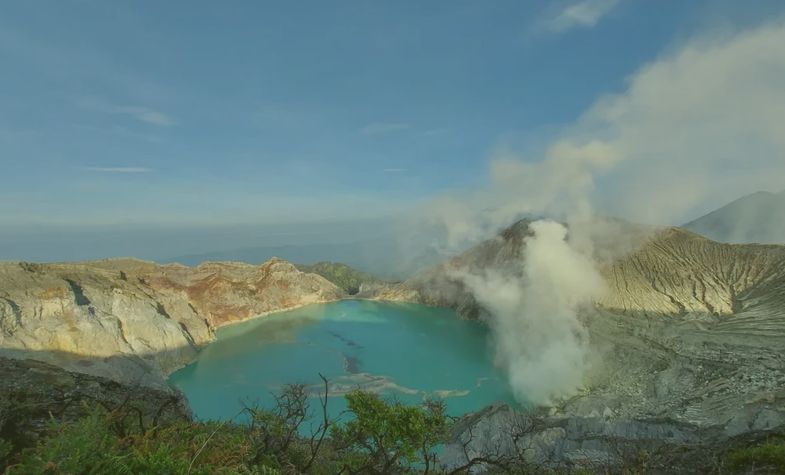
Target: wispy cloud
(378, 128)
(119, 169)
(394, 170)
(432, 132)
(140, 113)
(146, 115)
(585, 13)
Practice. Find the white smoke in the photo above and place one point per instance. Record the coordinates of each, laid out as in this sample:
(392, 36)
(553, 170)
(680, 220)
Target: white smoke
(539, 340)
(690, 128)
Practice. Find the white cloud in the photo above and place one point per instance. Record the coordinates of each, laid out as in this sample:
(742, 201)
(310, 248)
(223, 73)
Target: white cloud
(693, 129)
(119, 169)
(144, 114)
(586, 13)
(379, 128)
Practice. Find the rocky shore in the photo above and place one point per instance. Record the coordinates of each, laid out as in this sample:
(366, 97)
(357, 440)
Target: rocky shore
(135, 321)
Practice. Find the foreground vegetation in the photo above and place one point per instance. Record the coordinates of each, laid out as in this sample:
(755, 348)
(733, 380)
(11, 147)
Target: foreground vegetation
(768, 457)
(374, 436)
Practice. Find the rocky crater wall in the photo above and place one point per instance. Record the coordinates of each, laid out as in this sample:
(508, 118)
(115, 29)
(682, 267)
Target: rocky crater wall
(135, 321)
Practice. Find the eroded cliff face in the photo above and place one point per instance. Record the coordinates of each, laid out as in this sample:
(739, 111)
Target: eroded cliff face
(677, 272)
(135, 321)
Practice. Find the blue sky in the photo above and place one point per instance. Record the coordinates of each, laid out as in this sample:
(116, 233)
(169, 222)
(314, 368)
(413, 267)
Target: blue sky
(197, 112)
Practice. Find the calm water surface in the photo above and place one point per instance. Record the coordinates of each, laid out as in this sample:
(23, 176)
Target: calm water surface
(402, 351)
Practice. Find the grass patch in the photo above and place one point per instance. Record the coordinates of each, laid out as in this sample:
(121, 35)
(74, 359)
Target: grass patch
(766, 458)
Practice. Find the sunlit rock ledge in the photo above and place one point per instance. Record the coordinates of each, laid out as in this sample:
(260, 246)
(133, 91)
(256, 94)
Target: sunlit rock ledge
(136, 321)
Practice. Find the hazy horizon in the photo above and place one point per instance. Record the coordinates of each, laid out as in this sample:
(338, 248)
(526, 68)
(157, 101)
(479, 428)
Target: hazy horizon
(165, 130)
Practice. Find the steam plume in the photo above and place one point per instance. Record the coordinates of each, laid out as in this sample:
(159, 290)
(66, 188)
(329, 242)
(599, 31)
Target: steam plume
(691, 127)
(539, 339)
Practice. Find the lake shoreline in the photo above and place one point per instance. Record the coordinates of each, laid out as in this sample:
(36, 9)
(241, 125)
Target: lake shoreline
(427, 351)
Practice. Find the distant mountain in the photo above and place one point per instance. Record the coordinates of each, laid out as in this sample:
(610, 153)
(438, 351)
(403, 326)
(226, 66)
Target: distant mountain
(755, 218)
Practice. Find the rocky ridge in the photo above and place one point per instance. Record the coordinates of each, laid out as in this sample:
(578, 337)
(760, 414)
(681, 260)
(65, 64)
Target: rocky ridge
(136, 321)
(668, 271)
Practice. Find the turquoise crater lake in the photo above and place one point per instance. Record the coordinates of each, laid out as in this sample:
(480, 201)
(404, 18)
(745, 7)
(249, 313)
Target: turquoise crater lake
(404, 351)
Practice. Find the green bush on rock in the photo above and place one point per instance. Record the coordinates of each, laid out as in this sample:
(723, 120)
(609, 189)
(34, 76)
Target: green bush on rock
(93, 445)
(768, 457)
(386, 437)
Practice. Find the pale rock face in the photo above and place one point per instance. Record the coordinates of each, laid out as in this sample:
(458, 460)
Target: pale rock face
(135, 321)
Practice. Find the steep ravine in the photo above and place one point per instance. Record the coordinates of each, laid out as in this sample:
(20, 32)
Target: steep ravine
(135, 321)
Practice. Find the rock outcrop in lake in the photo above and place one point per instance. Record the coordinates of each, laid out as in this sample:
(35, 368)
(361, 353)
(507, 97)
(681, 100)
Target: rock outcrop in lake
(688, 346)
(135, 321)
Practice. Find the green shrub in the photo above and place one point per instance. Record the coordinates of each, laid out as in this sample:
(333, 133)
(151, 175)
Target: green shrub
(86, 446)
(6, 448)
(379, 437)
(769, 456)
(201, 447)
(385, 437)
(91, 445)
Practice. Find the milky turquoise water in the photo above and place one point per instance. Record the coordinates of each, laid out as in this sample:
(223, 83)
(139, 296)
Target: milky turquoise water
(402, 351)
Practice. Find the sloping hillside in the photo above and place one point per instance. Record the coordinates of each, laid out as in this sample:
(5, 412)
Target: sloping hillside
(133, 320)
(669, 271)
(349, 279)
(678, 272)
(755, 218)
